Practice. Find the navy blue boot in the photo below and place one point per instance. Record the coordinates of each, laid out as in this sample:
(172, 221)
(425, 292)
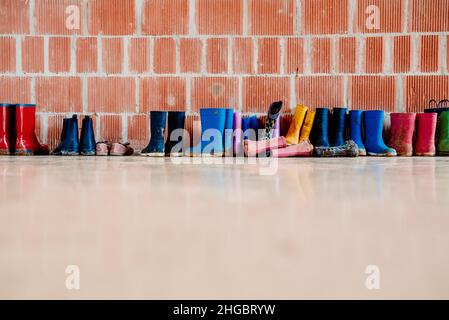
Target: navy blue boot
(338, 126)
(356, 120)
(156, 147)
(320, 130)
(70, 144)
(374, 142)
(58, 150)
(87, 139)
(213, 123)
(228, 133)
(175, 138)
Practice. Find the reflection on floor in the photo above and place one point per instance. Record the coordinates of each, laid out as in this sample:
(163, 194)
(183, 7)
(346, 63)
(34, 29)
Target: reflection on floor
(151, 228)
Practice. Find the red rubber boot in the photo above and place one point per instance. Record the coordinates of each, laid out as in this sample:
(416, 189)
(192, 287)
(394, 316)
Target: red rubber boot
(27, 143)
(426, 127)
(5, 129)
(402, 128)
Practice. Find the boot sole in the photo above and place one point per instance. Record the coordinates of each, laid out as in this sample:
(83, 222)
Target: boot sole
(88, 154)
(379, 155)
(28, 153)
(425, 154)
(5, 153)
(153, 155)
(70, 154)
(175, 155)
(443, 154)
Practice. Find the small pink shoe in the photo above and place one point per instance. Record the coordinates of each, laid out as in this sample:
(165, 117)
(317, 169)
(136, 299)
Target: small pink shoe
(121, 149)
(253, 148)
(102, 148)
(304, 149)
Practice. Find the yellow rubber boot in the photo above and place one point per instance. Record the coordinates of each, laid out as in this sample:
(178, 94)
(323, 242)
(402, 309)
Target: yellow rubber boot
(307, 126)
(295, 127)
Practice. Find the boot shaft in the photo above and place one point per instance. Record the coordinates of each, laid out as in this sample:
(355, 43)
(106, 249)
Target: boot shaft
(373, 122)
(175, 131)
(87, 138)
(338, 126)
(307, 126)
(295, 127)
(426, 124)
(25, 119)
(320, 130)
(401, 133)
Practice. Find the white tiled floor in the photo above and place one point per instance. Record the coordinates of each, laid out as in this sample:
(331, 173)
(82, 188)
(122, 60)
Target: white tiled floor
(150, 228)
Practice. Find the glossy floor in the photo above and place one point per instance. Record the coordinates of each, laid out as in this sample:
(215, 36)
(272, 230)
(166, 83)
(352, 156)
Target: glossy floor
(150, 228)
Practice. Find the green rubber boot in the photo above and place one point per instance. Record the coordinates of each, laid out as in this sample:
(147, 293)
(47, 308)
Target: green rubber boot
(443, 134)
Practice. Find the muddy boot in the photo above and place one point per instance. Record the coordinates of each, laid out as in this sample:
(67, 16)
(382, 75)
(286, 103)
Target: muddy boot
(349, 150)
(401, 133)
(426, 124)
(156, 147)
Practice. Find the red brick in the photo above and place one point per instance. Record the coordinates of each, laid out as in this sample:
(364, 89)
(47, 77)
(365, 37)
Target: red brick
(219, 16)
(269, 58)
(110, 128)
(419, 90)
(164, 55)
(428, 16)
(7, 54)
(372, 93)
(391, 15)
(59, 94)
(217, 55)
(51, 16)
(374, 54)
(294, 55)
(429, 54)
(86, 55)
(214, 92)
(54, 130)
(321, 55)
(165, 17)
(190, 55)
(138, 131)
(402, 54)
(33, 54)
(14, 17)
(260, 92)
(15, 90)
(320, 91)
(163, 93)
(243, 55)
(112, 55)
(271, 17)
(346, 55)
(112, 17)
(111, 94)
(59, 54)
(325, 17)
(139, 55)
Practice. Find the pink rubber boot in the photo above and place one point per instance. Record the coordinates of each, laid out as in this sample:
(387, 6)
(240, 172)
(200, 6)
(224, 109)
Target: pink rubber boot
(253, 148)
(426, 127)
(401, 135)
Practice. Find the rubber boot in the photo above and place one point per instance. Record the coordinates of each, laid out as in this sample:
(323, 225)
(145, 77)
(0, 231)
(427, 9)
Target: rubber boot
(320, 130)
(156, 147)
(375, 146)
(7, 128)
(295, 127)
(443, 134)
(58, 149)
(247, 131)
(175, 134)
(212, 130)
(401, 133)
(349, 149)
(27, 143)
(254, 125)
(307, 126)
(272, 118)
(87, 146)
(263, 147)
(238, 134)
(70, 145)
(338, 127)
(228, 133)
(356, 120)
(426, 125)
(303, 149)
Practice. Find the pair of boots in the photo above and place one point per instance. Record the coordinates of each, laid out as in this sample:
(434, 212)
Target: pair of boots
(157, 146)
(17, 131)
(403, 127)
(217, 133)
(71, 144)
(329, 134)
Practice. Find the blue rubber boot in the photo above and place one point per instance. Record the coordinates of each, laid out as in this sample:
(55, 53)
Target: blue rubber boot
(175, 134)
(338, 127)
(58, 150)
(87, 140)
(254, 125)
(229, 133)
(320, 130)
(374, 142)
(70, 145)
(245, 127)
(356, 120)
(212, 131)
(156, 147)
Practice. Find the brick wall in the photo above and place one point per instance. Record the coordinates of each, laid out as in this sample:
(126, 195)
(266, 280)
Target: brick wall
(132, 56)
